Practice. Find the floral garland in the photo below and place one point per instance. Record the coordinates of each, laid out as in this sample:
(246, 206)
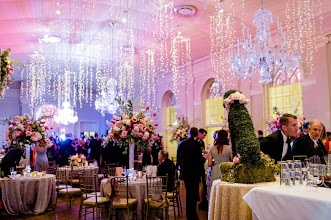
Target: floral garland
(6, 71)
(181, 131)
(233, 97)
(27, 130)
(128, 127)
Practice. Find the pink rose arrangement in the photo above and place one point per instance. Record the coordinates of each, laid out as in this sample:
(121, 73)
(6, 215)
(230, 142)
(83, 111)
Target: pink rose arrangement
(181, 131)
(26, 130)
(76, 159)
(129, 126)
(237, 96)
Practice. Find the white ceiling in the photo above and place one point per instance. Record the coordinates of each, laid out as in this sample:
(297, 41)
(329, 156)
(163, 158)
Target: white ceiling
(22, 22)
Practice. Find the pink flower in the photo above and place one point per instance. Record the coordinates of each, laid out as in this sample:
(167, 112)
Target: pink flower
(111, 135)
(140, 134)
(235, 160)
(124, 134)
(144, 138)
(141, 127)
(134, 119)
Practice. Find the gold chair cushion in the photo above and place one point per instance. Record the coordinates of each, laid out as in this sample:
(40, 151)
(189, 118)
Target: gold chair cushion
(75, 181)
(158, 205)
(122, 203)
(62, 187)
(86, 196)
(70, 191)
(170, 195)
(91, 201)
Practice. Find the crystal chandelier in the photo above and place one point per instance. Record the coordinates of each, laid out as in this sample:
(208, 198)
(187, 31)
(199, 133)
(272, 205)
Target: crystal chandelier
(106, 102)
(270, 59)
(66, 115)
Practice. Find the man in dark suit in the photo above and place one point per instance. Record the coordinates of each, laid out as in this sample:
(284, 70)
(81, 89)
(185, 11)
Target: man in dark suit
(95, 145)
(277, 144)
(11, 159)
(165, 167)
(204, 203)
(65, 150)
(310, 144)
(260, 135)
(190, 161)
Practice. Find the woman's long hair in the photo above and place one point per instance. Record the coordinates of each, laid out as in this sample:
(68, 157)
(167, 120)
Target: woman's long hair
(221, 140)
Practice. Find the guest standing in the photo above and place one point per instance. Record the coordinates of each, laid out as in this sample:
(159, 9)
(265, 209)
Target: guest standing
(219, 153)
(65, 150)
(325, 140)
(165, 167)
(156, 147)
(277, 144)
(190, 161)
(95, 146)
(41, 157)
(204, 203)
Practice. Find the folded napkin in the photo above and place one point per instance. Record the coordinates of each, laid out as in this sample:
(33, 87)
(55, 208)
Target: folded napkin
(151, 171)
(118, 171)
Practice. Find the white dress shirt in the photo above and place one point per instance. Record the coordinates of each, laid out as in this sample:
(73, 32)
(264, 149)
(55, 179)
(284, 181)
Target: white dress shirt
(284, 145)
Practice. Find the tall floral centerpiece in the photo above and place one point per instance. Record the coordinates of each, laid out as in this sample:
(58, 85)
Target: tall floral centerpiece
(251, 166)
(6, 71)
(180, 132)
(132, 129)
(23, 131)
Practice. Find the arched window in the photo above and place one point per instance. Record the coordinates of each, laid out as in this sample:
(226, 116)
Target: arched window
(169, 113)
(212, 108)
(48, 110)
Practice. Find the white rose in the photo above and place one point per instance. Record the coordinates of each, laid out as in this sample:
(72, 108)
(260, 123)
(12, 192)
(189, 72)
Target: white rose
(20, 126)
(146, 134)
(115, 128)
(38, 136)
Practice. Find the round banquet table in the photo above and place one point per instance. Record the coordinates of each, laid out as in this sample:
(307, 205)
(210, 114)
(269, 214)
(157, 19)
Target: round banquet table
(226, 200)
(88, 171)
(137, 190)
(28, 195)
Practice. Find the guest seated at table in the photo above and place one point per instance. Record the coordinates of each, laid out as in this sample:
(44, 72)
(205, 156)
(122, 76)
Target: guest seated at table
(305, 127)
(166, 166)
(325, 140)
(219, 153)
(310, 144)
(11, 159)
(277, 144)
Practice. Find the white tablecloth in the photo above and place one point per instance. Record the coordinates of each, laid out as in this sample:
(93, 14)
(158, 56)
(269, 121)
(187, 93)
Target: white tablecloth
(88, 171)
(28, 195)
(295, 202)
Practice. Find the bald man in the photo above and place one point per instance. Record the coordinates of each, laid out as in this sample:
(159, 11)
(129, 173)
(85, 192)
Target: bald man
(310, 144)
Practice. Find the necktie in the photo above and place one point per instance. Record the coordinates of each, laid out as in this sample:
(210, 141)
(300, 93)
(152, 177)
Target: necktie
(288, 153)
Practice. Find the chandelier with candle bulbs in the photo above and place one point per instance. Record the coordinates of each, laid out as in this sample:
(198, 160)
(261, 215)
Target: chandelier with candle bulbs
(269, 57)
(66, 115)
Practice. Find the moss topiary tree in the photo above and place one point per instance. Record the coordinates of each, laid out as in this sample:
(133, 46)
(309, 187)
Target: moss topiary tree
(253, 166)
(243, 138)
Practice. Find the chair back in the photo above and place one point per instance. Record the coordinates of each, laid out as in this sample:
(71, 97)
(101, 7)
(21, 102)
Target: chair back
(120, 188)
(88, 184)
(111, 171)
(61, 177)
(156, 186)
(112, 165)
(73, 174)
(51, 170)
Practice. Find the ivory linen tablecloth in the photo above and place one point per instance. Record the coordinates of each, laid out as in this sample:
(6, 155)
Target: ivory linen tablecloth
(28, 195)
(88, 171)
(137, 190)
(290, 202)
(226, 200)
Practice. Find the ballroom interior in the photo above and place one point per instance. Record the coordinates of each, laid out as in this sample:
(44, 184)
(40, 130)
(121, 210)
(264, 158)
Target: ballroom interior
(178, 57)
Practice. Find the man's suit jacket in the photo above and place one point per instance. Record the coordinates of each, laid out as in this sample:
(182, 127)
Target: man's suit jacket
(304, 145)
(273, 146)
(95, 146)
(167, 167)
(189, 158)
(11, 159)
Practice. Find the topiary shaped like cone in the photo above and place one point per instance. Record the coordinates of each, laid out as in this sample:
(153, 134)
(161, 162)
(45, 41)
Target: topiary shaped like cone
(243, 138)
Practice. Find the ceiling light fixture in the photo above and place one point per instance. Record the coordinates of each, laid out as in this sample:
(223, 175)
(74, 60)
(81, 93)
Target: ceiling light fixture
(50, 39)
(185, 10)
(58, 12)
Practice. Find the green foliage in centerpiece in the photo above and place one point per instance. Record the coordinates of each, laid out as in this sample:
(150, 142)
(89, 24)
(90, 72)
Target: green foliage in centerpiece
(263, 171)
(251, 166)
